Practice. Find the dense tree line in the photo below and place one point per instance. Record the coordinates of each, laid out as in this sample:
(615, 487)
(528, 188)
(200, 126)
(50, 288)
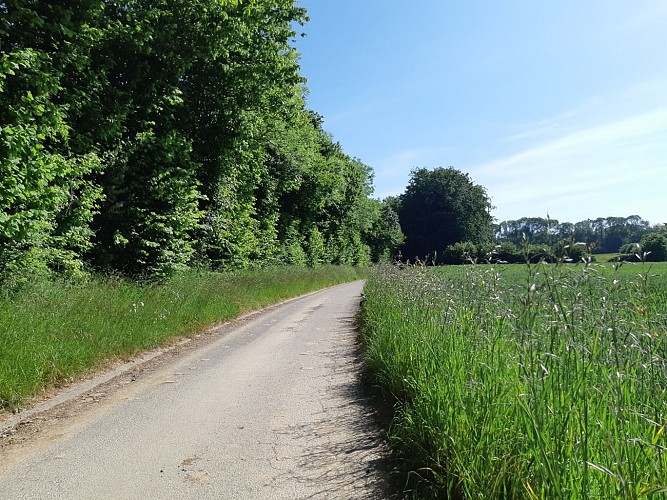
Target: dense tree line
(628, 236)
(602, 235)
(535, 238)
(145, 136)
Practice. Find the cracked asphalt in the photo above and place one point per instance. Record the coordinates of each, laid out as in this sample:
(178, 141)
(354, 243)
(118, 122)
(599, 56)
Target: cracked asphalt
(271, 408)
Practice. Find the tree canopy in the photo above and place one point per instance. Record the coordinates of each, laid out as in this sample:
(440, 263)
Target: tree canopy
(441, 207)
(146, 136)
(602, 235)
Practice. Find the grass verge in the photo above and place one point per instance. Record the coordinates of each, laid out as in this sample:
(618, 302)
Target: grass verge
(53, 332)
(534, 381)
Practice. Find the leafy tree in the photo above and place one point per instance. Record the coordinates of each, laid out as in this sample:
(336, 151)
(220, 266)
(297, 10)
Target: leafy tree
(315, 249)
(182, 92)
(538, 230)
(243, 79)
(604, 234)
(311, 184)
(145, 134)
(152, 207)
(656, 244)
(132, 115)
(47, 198)
(441, 207)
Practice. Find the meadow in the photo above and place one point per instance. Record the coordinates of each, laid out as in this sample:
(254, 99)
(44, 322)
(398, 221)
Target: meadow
(53, 332)
(522, 381)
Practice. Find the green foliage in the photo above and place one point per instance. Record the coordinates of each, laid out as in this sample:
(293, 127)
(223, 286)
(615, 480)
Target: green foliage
(315, 249)
(385, 235)
(155, 210)
(142, 137)
(441, 207)
(656, 244)
(576, 253)
(46, 198)
(313, 189)
(459, 253)
(604, 234)
(293, 252)
(508, 253)
(241, 77)
(535, 253)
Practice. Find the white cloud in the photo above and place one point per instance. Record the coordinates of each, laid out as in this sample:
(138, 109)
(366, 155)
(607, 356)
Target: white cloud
(604, 167)
(541, 128)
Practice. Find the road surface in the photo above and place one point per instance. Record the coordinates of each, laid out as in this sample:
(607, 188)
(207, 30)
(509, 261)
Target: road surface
(271, 408)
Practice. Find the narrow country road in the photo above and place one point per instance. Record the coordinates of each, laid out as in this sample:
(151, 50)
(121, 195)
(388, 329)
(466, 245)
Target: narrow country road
(270, 409)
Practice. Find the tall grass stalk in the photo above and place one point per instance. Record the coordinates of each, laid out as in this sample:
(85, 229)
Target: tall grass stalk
(546, 381)
(52, 332)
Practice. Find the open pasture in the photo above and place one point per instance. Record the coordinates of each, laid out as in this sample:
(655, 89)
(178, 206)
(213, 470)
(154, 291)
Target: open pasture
(533, 381)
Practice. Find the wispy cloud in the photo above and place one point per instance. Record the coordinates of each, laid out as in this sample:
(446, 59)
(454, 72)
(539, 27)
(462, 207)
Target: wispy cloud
(611, 163)
(583, 141)
(541, 128)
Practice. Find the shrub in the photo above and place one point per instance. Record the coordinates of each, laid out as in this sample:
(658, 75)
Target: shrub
(509, 253)
(459, 253)
(315, 249)
(656, 244)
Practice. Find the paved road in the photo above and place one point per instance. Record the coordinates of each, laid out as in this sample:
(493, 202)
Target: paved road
(272, 409)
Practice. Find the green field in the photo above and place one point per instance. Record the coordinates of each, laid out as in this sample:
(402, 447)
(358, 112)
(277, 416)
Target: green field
(52, 332)
(516, 381)
(605, 257)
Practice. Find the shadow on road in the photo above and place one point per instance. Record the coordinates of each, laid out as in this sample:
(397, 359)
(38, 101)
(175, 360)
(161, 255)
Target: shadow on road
(345, 455)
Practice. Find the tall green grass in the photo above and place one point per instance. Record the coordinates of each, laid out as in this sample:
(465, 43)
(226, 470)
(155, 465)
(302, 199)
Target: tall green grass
(52, 331)
(536, 381)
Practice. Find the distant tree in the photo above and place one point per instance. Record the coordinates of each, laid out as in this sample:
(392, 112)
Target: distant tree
(566, 231)
(537, 230)
(441, 207)
(656, 244)
(608, 234)
(604, 234)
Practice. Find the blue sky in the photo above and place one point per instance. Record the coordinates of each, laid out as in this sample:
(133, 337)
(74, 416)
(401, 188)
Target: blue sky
(554, 107)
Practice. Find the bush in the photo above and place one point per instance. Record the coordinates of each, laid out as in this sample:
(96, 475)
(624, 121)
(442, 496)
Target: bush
(315, 249)
(654, 246)
(574, 252)
(459, 253)
(509, 253)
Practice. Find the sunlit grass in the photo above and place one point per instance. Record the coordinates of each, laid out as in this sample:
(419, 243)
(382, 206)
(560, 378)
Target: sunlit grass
(605, 257)
(51, 331)
(540, 381)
